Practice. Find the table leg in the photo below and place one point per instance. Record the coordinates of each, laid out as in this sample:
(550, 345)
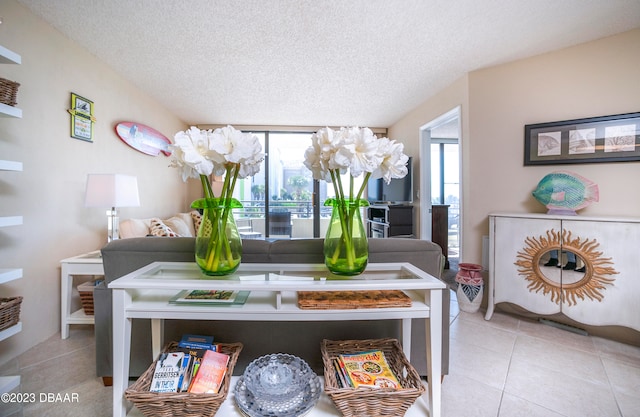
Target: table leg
(121, 351)
(66, 284)
(406, 337)
(157, 329)
(434, 352)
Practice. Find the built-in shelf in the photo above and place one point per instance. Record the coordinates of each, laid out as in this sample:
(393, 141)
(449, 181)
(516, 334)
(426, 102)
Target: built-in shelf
(10, 221)
(9, 111)
(6, 333)
(10, 274)
(10, 165)
(9, 383)
(7, 56)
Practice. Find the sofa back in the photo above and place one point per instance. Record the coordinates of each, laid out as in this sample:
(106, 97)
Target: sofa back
(123, 256)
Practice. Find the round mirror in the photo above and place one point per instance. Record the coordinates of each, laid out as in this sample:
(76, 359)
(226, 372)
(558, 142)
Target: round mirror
(565, 267)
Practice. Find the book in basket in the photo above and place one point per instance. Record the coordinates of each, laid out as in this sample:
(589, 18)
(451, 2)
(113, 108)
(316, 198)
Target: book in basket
(210, 374)
(168, 373)
(369, 369)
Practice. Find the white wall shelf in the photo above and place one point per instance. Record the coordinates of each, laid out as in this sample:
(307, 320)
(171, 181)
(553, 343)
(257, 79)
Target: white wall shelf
(9, 111)
(10, 221)
(10, 383)
(10, 274)
(10, 165)
(7, 56)
(15, 329)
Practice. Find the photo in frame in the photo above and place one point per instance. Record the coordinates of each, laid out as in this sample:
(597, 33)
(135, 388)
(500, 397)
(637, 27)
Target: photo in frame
(82, 118)
(614, 138)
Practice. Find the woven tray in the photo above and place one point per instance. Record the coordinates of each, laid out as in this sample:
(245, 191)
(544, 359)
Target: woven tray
(181, 404)
(381, 402)
(8, 92)
(321, 300)
(9, 312)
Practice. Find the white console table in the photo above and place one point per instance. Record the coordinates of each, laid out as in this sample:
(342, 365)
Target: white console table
(145, 294)
(86, 264)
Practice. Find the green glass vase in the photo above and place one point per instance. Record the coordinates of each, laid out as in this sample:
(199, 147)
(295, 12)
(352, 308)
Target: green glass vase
(218, 242)
(346, 249)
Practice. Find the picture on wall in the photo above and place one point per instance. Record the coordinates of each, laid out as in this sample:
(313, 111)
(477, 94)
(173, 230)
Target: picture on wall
(613, 138)
(82, 118)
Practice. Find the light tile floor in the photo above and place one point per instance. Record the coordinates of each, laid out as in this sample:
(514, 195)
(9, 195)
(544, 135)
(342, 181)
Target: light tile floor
(505, 367)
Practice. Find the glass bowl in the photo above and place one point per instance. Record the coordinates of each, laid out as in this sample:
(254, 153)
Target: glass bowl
(277, 377)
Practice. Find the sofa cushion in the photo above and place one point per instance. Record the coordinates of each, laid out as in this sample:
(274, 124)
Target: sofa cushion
(180, 224)
(158, 228)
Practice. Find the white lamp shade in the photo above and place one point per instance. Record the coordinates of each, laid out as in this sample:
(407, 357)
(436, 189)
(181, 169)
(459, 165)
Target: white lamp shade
(111, 190)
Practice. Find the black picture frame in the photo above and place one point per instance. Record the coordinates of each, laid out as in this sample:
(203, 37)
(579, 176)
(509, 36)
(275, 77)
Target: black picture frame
(614, 138)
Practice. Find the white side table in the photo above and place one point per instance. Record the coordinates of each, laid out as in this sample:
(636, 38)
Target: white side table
(85, 264)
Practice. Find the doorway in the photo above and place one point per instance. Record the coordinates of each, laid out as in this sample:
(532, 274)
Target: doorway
(440, 182)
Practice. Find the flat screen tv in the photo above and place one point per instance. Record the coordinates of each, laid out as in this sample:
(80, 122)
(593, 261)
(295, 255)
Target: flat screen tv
(398, 191)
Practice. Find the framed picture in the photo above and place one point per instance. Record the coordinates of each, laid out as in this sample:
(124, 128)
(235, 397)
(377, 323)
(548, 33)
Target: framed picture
(82, 118)
(597, 139)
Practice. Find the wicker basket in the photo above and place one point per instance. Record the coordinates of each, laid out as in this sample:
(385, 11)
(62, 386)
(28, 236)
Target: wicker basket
(9, 312)
(181, 404)
(379, 402)
(8, 91)
(86, 296)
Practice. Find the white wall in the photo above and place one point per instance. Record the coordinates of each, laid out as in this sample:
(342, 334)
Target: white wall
(49, 193)
(593, 79)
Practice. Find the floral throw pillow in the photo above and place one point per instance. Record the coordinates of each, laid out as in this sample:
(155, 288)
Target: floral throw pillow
(158, 228)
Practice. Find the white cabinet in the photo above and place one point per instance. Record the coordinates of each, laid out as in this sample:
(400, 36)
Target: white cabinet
(599, 288)
(7, 274)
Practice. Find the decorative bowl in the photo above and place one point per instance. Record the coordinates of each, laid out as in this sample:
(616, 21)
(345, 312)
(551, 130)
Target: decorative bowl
(277, 377)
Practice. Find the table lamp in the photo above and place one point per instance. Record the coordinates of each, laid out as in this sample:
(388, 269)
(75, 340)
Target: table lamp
(112, 190)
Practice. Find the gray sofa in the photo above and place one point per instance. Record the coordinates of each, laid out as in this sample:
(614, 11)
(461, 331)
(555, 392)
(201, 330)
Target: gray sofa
(298, 338)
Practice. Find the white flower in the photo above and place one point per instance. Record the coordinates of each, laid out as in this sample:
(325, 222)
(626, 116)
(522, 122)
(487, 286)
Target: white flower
(393, 161)
(190, 153)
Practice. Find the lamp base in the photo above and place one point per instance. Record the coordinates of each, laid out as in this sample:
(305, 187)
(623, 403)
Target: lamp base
(113, 225)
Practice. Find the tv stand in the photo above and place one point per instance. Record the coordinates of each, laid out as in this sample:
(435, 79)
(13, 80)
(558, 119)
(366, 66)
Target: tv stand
(386, 220)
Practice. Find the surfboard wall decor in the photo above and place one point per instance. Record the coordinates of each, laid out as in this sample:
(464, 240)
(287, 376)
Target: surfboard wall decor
(143, 138)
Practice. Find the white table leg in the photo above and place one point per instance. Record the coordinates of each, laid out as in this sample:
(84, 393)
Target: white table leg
(121, 351)
(406, 338)
(66, 284)
(157, 329)
(434, 352)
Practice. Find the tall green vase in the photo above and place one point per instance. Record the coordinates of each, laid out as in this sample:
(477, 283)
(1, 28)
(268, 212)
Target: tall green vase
(346, 249)
(218, 242)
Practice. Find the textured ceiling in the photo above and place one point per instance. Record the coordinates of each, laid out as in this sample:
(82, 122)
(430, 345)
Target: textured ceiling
(319, 62)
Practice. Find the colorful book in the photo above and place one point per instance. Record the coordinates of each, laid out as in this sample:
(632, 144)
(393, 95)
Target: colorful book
(166, 377)
(369, 369)
(210, 374)
(193, 341)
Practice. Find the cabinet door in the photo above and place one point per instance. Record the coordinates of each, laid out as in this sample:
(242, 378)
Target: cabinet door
(517, 262)
(608, 292)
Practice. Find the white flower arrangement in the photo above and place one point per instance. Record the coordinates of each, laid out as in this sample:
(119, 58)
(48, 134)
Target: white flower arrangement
(224, 151)
(355, 151)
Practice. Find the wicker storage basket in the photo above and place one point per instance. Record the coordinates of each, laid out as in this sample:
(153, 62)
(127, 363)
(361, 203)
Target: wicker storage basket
(9, 312)
(8, 92)
(181, 404)
(86, 296)
(379, 402)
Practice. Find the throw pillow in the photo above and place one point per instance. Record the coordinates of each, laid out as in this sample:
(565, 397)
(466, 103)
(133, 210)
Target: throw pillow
(197, 219)
(158, 228)
(179, 226)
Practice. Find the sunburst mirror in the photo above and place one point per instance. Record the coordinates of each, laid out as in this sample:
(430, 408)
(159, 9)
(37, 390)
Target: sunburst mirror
(586, 278)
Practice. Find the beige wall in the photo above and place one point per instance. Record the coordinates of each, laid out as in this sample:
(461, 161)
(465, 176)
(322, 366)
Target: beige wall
(49, 193)
(594, 79)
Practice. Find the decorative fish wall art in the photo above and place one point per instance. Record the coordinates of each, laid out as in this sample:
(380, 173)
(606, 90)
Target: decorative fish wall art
(564, 192)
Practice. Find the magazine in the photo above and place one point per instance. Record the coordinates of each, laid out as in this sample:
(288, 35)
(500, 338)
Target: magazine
(210, 297)
(369, 369)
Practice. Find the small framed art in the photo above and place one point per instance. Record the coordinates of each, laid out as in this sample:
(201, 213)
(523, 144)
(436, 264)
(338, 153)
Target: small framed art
(82, 118)
(613, 138)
